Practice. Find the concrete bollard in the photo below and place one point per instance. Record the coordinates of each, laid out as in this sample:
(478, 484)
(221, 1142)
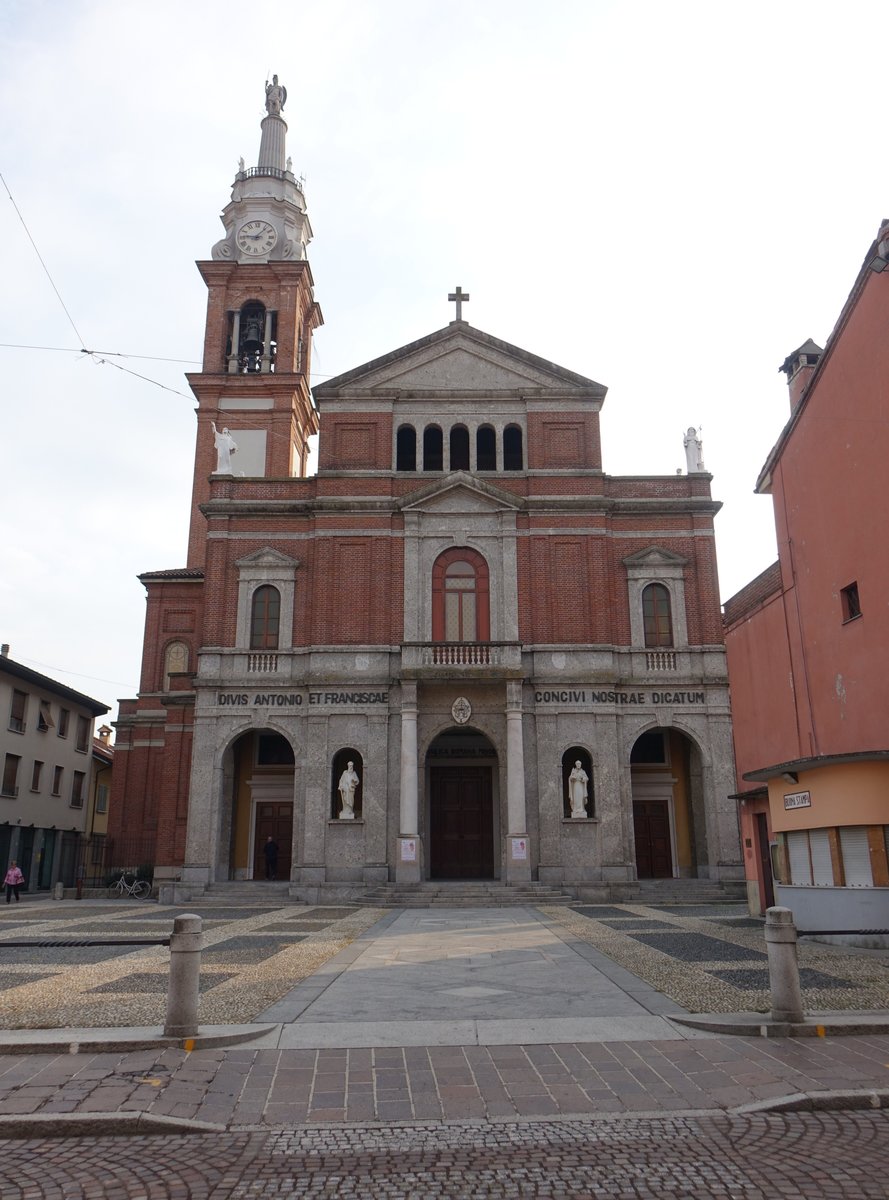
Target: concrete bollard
(185, 976)
(787, 999)
(58, 891)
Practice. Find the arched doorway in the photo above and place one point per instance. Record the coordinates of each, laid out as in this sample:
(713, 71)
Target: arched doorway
(262, 770)
(462, 813)
(668, 811)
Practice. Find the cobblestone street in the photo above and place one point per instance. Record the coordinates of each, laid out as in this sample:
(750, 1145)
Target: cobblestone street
(825, 1155)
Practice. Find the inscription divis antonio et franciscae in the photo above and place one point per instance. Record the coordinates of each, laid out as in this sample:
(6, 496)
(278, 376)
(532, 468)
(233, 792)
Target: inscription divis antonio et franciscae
(298, 699)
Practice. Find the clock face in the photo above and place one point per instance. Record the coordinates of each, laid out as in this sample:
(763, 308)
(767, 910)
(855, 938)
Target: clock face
(256, 237)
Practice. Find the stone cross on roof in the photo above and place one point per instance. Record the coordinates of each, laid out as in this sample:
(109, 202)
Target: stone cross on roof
(459, 296)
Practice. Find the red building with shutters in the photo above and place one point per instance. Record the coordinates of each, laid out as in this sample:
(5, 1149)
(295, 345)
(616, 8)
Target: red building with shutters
(806, 639)
(461, 603)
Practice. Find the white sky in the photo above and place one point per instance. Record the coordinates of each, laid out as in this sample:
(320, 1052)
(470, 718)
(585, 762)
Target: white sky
(666, 197)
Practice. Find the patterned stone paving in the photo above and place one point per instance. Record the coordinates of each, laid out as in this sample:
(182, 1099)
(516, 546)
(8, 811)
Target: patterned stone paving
(249, 962)
(840, 1156)
(712, 959)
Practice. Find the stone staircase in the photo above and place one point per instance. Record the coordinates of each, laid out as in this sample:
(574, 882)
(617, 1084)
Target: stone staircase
(240, 893)
(483, 893)
(688, 891)
(462, 894)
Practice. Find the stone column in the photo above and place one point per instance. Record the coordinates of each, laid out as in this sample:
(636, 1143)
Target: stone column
(236, 337)
(518, 849)
(267, 344)
(407, 866)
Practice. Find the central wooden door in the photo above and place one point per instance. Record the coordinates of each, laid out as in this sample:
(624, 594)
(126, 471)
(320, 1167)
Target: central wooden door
(275, 818)
(461, 823)
(651, 828)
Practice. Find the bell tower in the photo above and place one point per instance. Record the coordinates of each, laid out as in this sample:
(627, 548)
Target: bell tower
(255, 411)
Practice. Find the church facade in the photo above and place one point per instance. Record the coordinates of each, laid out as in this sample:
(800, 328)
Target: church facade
(460, 650)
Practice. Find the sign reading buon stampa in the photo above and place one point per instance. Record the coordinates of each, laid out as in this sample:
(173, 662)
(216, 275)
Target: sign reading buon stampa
(461, 613)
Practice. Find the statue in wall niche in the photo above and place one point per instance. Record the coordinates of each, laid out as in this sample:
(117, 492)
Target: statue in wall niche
(694, 450)
(577, 790)
(226, 446)
(347, 786)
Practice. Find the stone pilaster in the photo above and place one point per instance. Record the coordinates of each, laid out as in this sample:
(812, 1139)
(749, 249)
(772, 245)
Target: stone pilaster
(408, 868)
(518, 850)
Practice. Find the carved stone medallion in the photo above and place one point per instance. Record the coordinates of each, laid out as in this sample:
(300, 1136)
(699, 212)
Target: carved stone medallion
(461, 710)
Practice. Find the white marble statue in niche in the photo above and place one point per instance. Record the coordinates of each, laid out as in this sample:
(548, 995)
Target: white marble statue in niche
(226, 446)
(577, 790)
(348, 785)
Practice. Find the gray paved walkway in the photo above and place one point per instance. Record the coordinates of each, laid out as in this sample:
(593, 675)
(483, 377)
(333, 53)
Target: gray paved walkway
(470, 977)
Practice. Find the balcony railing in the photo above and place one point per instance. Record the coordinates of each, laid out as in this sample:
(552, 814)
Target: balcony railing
(473, 657)
(262, 663)
(660, 660)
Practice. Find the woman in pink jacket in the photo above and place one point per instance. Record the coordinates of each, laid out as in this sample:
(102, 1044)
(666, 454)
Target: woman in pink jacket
(14, 880)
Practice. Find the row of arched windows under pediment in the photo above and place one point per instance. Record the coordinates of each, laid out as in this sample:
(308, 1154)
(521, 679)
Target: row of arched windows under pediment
(435, 449)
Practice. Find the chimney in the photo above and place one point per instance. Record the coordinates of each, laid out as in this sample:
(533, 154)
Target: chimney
(798, 368)
(104, 732)
(4, 650)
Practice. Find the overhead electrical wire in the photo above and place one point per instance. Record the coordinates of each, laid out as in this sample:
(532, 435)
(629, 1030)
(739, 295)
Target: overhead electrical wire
(42, 263)
(99, 357)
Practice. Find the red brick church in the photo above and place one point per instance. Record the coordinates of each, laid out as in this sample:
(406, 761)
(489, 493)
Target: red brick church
(520, 655)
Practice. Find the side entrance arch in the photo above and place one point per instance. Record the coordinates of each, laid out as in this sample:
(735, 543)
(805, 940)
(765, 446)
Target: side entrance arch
(462, 814)
(669, 828)
(261, 782)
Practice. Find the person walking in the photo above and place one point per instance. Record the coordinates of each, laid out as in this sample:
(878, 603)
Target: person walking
(270, 850)
(13, 880)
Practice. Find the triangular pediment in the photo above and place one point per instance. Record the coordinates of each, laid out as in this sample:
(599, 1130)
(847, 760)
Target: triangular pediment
(654, 557)
(267, 557)
(458, 360)
(460, 492)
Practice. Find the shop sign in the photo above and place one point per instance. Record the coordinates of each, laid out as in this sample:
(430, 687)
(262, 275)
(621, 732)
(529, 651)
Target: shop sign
(797, 800)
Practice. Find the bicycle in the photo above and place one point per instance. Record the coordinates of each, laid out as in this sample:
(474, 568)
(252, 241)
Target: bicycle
(139, 889)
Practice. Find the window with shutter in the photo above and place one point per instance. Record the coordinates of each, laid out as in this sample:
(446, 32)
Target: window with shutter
(822, 867)
(856, 856)
(798, 853)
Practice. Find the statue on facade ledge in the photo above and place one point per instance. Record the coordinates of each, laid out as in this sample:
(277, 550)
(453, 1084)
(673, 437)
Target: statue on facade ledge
(694, 451)
(226, 446)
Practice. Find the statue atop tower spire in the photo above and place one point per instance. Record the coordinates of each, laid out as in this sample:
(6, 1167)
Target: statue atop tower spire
(267, 218)
(275, 97)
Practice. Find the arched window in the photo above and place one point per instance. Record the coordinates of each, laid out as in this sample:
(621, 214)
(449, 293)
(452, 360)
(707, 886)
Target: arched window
(347, 770)
(575, 786)
(485, 449)
(512, 448)
(657, 618)
(460, 597)
(265, 618)
(406, 449)
(175, 661)
(459, 448)
(433, 453)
